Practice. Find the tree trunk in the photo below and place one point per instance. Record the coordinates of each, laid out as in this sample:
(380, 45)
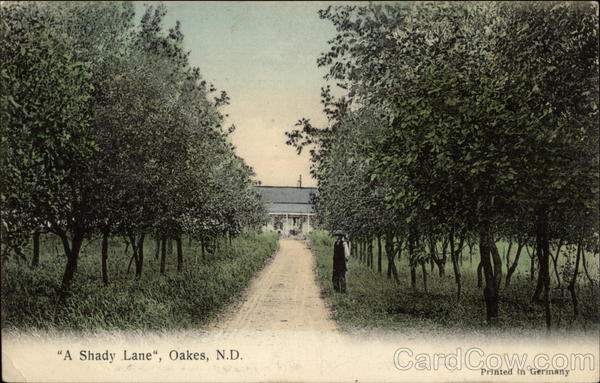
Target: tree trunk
(389, 255)
(507, 254)
(585, 269)
(480, 274)
(547, 308)
(104, 258)
(539, 287)
(411, 259)
(457, 277)
(555, 261)
(379, 266)
(543, 250)
(370, 253)
(574, 281)
(139, 261)
(130, 263)
(531, 263)
(134, 255)
(439, 261)
(497, 263)
(455, 254)
(490, 260)
(513, 267)
(471, 253)
(70, 269)
(72, 253)
(157, 248)
(361, 252)
(442, 264)
(398, 249)
(179, 254)
(163, 256)
(441, 269)
(126, 245)
(389, 252)
(35, 259)
(424, 271)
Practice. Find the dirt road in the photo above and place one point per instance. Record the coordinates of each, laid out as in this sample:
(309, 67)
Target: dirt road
(283, 296)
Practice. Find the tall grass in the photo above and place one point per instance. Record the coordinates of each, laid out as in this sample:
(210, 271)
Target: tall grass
(373, 301)
(188, 299)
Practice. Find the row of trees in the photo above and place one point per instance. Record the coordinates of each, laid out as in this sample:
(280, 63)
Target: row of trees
(108, 130)
(460, 124)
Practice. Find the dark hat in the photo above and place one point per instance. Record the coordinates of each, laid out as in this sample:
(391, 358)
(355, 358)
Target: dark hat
(339, 233)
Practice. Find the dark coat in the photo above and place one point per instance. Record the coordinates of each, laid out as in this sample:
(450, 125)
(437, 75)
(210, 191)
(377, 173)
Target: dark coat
(339, 258)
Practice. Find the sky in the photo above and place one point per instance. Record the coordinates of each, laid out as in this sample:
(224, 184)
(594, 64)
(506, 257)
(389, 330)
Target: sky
(264, 55)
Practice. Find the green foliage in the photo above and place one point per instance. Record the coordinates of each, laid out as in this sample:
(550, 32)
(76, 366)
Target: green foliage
(457, 123)
(184, 300)
(109, 130)
(46, 143)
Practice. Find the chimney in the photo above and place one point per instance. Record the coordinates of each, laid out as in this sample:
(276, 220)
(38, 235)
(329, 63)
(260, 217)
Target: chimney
(300, 181)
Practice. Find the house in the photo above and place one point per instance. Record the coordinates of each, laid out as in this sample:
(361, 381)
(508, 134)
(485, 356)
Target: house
(289, 208)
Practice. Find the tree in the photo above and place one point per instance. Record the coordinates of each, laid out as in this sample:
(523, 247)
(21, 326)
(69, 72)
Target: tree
(473, 135)
(46, 93)
(121, 136)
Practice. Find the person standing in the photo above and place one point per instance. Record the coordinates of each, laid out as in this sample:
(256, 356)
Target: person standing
(339, 263)
(347, 247)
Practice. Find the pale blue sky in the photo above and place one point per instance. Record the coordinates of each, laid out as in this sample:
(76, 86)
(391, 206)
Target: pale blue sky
(264, 55)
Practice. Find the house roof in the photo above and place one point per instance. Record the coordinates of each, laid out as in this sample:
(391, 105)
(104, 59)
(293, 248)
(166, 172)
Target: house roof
(287, 199)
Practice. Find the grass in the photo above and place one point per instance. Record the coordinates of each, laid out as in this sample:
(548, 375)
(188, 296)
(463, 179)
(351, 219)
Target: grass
(189, 299)
(373, 301)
